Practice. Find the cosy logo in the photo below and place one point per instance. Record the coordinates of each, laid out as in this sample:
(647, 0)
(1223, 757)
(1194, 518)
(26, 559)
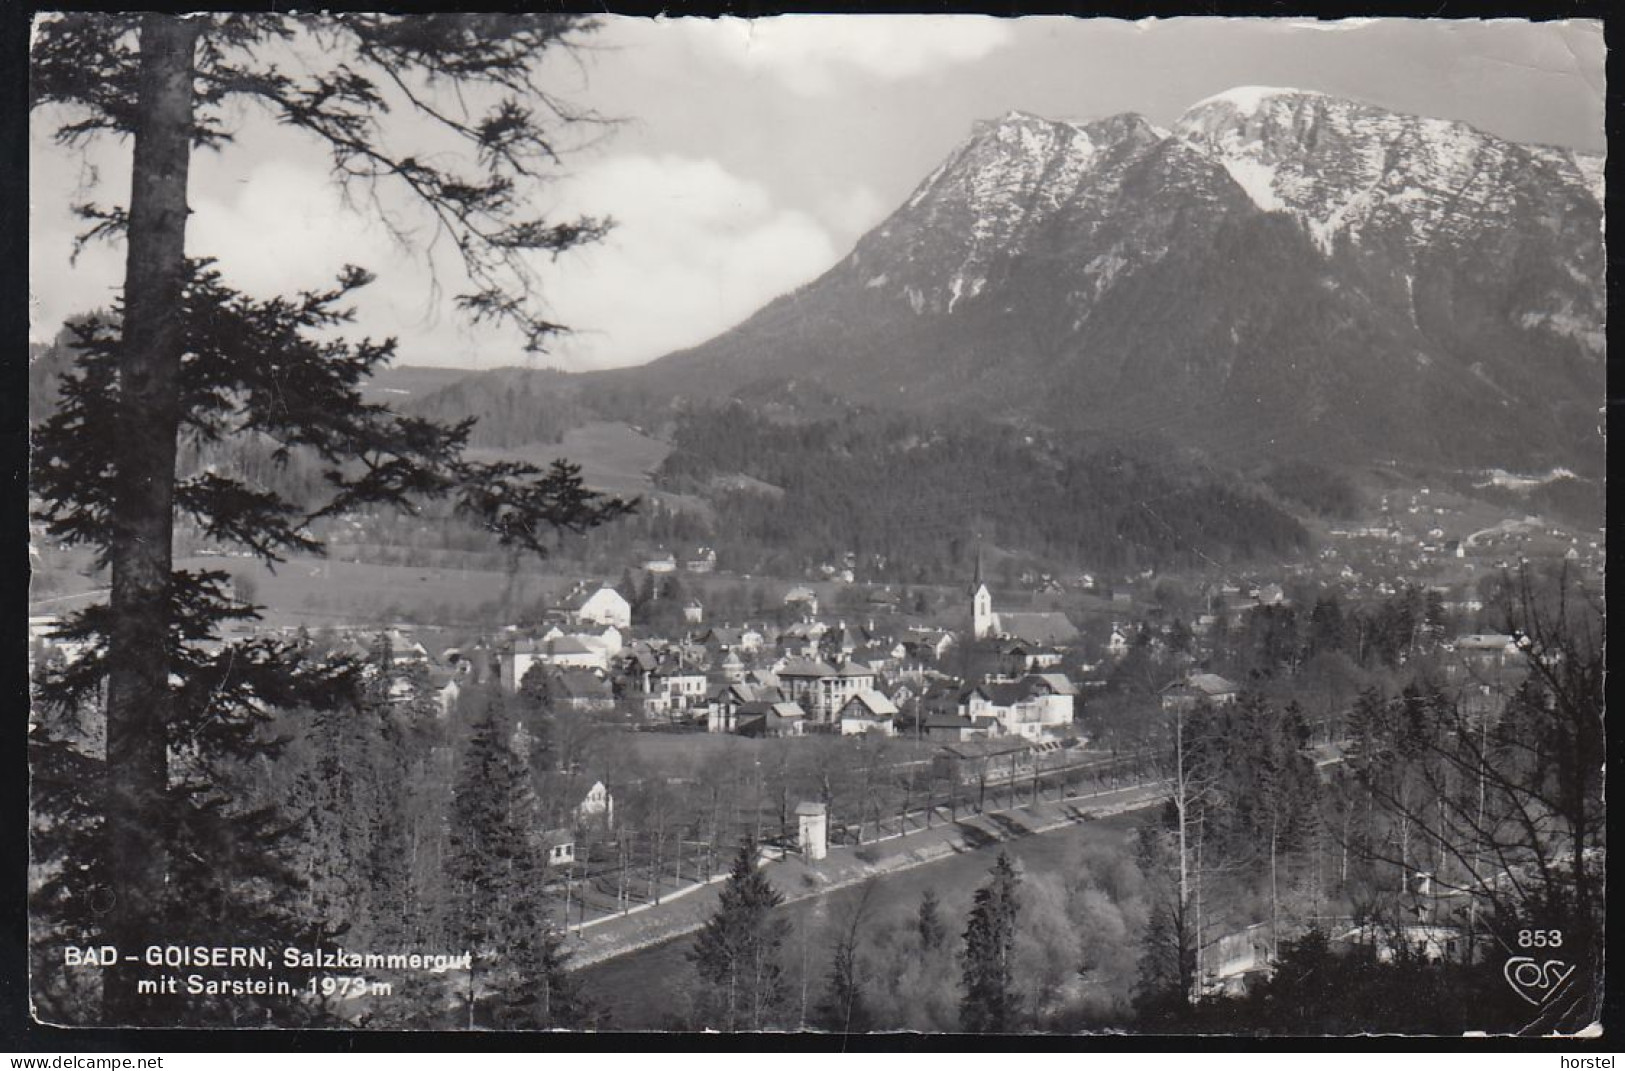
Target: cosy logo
(1534, 981)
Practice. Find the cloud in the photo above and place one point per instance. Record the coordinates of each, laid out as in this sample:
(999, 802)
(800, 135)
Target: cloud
(852, 212)
(814, 54)
(285, 228)
(58, 180)
(695, 250)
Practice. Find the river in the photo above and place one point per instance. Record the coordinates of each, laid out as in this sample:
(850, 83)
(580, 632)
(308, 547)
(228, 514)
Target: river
(640, 990)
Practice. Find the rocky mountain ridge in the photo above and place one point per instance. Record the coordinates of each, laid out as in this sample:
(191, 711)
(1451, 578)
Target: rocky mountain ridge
(1280, 270)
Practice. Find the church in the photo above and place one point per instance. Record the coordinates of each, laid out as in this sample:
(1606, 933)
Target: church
(1049, 628)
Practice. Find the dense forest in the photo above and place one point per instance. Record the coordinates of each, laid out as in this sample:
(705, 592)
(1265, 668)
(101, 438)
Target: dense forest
(905, 498)
(789, 480)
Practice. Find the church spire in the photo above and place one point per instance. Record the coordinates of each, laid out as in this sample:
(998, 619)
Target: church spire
(983, 620)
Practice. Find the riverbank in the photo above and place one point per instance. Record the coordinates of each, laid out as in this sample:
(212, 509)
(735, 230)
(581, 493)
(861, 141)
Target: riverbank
(796, 879)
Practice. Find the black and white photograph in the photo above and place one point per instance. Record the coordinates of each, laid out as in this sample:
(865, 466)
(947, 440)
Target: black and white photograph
(828, 524)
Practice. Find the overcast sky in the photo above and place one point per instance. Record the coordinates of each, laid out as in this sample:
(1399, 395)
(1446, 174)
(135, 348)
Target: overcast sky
(754, 154)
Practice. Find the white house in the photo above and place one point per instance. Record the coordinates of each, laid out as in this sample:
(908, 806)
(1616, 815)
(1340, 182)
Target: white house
(598, 804)
(868, 712)
(560, 847)
(1117, 646)
(609, 640)
(1036, 706)
(684, 688)
(572, 652)
(606, 606)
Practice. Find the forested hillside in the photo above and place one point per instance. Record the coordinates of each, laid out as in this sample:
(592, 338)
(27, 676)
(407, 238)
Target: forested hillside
(904, 500)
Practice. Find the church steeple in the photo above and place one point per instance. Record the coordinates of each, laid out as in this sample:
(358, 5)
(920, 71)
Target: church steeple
(983, 621)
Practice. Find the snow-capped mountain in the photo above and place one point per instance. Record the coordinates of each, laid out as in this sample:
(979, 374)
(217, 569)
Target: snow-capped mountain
(1280, 269)
(1418, 188)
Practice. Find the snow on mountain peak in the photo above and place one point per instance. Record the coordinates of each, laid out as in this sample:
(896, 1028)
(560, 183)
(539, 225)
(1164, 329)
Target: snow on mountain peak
(1248, 99)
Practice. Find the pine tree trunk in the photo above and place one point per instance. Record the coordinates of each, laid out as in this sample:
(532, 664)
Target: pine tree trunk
(138, 700)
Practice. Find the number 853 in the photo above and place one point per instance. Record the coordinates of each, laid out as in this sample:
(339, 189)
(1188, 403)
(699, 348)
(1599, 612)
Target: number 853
(1540, 938)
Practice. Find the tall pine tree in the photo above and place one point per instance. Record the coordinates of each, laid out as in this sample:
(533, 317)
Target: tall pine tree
(187, 358)
(738, 953)
(991, 1004)
(517, 977)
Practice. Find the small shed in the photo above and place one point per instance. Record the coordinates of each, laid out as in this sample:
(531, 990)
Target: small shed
(812, 823)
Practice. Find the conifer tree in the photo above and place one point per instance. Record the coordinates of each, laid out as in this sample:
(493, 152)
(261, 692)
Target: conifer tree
(395, 910)
(929, 922)
(737, 954)
(991, 1004)
(517, 977)
(185, 357)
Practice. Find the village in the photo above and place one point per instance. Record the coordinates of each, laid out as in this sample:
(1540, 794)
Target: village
(857, 731)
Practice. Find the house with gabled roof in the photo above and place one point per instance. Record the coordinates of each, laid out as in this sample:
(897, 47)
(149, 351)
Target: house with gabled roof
(1022, 656)
(583, 690)
(723, 638)
(599, 606)
(762, 718)
(1209, 688)
(572, 652)
(723, 702)
(558, 847)
(598, 805)
(1035, 706)
(867, 712)
(764, 678)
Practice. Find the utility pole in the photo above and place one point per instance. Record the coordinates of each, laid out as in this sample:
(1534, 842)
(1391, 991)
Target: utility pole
(758, 839)
(568, 874)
